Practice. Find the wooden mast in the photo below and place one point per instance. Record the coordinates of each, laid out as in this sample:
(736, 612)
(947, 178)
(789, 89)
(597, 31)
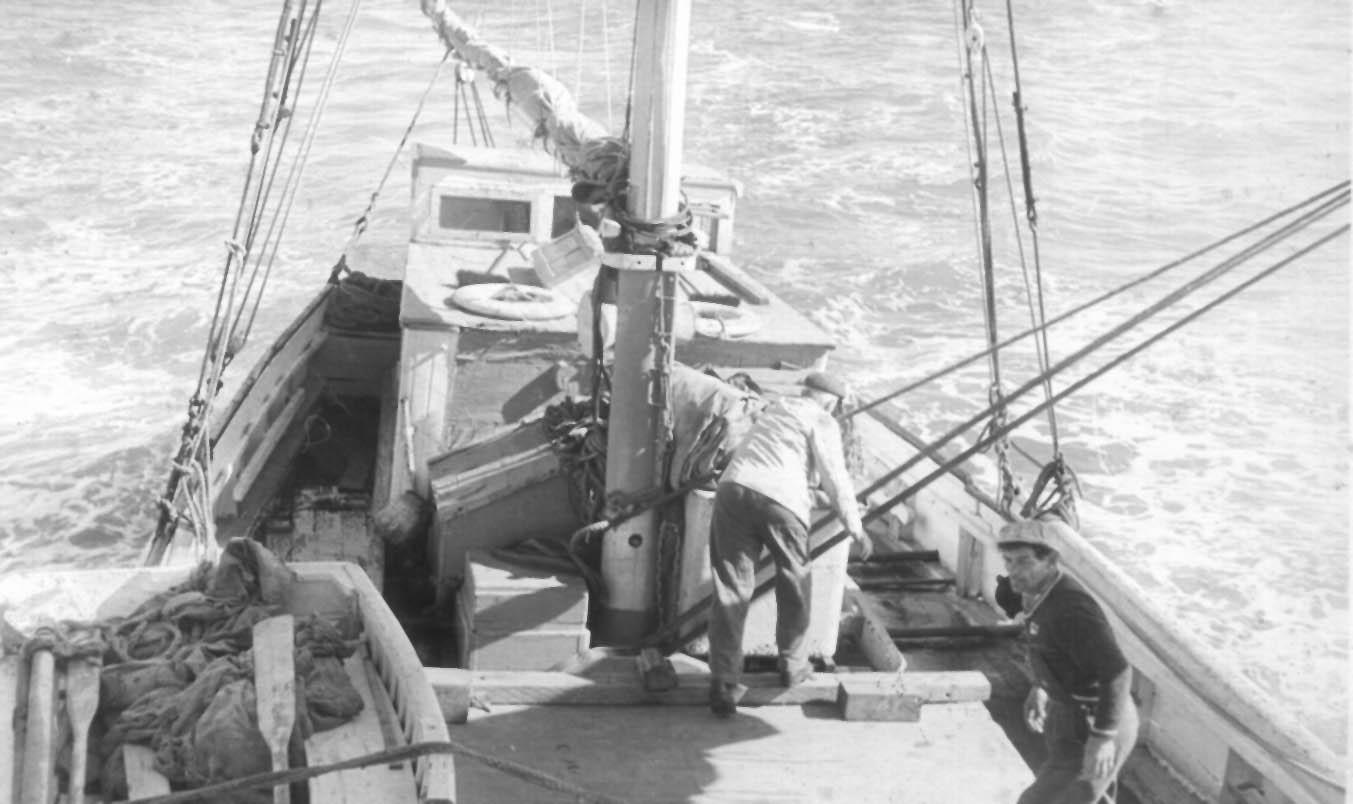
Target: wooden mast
(645, 297)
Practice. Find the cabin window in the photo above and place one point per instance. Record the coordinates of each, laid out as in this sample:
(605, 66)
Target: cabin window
(565, 215)
(467, 213)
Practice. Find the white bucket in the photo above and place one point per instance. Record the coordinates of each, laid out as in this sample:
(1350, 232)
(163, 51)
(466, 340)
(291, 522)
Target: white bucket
(567, 255)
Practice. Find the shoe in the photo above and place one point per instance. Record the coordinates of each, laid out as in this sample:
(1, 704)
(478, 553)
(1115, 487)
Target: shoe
(724, 697)
(795, 674)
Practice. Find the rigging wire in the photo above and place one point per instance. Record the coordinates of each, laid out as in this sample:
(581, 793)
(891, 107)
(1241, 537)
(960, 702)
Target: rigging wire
(1030, 214)
(1169, 299)
(266, 121)
(1033, 291)
(978, 107)
(1097, 300)
(606, 65)
(1115, 361)
(282, 210)
(672, 630)
(363, 220)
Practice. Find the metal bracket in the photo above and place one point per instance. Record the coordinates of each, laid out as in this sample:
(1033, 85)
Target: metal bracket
(646, 262)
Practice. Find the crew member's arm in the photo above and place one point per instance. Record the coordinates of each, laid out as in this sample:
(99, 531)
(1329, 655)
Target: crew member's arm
(829, 457)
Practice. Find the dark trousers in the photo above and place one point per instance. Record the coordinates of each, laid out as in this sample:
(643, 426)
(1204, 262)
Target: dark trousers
(1065, 732)
(744, 522)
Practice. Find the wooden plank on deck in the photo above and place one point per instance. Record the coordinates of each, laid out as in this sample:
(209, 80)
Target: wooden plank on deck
(359, 736)
(456, 687)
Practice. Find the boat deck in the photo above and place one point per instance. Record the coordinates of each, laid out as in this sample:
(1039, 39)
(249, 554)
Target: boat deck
(771, 753)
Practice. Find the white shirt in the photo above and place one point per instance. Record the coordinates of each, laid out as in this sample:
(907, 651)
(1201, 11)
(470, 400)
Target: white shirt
(792, 439)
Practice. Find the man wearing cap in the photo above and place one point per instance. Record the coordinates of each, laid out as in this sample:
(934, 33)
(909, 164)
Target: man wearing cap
(1081, 699)
(763, 499)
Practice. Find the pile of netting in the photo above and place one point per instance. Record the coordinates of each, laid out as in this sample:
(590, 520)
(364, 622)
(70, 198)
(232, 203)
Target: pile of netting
(178, 676)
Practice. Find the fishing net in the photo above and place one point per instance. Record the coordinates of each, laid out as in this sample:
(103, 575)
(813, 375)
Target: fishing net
(363, 303)
(178, 674)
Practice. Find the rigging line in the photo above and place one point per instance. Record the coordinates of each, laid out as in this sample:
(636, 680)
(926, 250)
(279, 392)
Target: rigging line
(1030, 201)
(484, 130)
(951, 464)
(361, 223)
(1030, 210)
(606, 64)
(455, 108)
(267, 252)
(271, 156)
(1100, 299)
(975, 41)
(1038, 314)
(1171, 298)
(266, 119)
(293, 181)
(629, 90)
(948, 466)
(463, 97)
(1006, 429)
(878, 510)
(578, 56)
(225, 332)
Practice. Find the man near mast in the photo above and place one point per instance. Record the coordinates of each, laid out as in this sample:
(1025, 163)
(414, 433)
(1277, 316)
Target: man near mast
(764, 498)
(1081, 699)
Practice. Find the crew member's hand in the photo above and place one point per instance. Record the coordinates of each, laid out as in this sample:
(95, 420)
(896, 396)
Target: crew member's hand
(1100, 753)
(1036, 709)
(864, 546)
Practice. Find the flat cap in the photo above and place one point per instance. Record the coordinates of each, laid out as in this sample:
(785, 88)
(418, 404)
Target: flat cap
(822, 381)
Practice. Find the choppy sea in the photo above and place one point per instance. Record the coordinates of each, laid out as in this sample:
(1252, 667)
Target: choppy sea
(1215, 464)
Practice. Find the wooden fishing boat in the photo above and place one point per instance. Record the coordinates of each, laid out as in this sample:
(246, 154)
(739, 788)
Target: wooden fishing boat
(422, 421)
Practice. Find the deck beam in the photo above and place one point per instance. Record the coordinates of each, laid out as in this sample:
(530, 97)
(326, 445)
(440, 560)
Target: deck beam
(872, 693)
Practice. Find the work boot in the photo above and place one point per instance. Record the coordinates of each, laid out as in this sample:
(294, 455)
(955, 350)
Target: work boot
(794, 673)
(724, 697)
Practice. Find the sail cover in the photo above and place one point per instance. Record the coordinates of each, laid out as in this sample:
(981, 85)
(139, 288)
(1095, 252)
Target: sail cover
(536, 96)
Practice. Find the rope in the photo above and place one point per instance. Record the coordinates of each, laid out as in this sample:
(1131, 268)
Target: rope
(224, 336)
(1033, 291)
(393, 755)
(1104, 297)
(359, 226)
(976, 49)
(1171, 298)
(672, 632)
(1030, 213)
(958, 459)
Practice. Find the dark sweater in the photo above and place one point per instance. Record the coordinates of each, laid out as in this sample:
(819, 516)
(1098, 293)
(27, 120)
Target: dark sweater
(1075, 655)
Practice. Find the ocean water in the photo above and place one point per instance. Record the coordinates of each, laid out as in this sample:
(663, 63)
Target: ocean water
(1215, 464)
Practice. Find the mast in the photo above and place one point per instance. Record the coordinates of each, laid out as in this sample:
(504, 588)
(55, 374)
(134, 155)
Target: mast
(636, 439)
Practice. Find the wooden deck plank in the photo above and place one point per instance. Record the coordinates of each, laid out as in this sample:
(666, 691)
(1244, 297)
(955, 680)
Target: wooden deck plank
(357, 737)
(506, 687)
(647, 754)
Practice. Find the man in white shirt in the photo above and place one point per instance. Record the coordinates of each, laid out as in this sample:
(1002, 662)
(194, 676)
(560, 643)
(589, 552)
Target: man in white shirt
(764, 499)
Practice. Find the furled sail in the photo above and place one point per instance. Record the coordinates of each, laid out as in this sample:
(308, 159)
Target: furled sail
(535, 95)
